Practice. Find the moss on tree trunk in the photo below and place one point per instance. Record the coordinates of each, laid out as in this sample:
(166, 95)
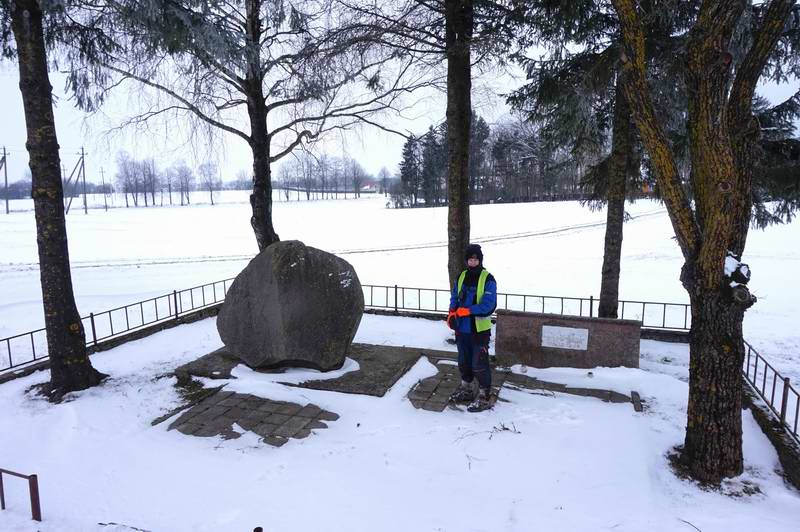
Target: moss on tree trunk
(713, 444)
(720, 126)
(70, 368)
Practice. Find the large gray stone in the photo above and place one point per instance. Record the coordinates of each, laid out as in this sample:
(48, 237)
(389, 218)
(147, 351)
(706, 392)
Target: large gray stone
(293, 305)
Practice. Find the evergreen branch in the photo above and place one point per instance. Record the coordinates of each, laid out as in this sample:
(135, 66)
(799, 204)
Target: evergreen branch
(398, 25)
(748, 73)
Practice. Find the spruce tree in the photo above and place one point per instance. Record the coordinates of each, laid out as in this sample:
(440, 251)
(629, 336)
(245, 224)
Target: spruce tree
(410, 171)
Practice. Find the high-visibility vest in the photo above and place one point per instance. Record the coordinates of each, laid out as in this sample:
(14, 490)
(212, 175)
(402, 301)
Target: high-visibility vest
(481, 323)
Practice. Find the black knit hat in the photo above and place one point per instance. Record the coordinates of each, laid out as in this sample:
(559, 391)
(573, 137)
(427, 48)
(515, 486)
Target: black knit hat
(473, 250)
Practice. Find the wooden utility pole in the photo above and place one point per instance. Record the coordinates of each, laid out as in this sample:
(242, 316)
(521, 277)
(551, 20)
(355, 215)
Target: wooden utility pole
(5, 171)
(83, 173)
(103, 181)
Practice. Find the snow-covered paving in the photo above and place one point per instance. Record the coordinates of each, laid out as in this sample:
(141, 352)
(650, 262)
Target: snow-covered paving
(568, 463)
(126, 255)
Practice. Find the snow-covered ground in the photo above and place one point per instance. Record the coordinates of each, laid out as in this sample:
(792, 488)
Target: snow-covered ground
(567, 463)
(196, 197)
(125, 255)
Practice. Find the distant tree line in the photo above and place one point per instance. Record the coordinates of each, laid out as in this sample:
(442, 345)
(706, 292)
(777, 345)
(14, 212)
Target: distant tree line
(509, 162)
(142, 182)
(326, 176)
(21, 189)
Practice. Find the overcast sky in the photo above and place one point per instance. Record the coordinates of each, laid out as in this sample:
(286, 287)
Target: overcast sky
(370, 146)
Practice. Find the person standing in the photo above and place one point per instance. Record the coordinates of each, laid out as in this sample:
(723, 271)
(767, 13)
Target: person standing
(472, 301)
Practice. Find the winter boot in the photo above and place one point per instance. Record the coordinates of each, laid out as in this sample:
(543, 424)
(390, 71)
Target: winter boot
(465, 393)
(482, 401)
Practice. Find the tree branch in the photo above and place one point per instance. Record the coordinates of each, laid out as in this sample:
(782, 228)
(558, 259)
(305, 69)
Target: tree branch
(747, 75)
(637, 91)
(189, 105)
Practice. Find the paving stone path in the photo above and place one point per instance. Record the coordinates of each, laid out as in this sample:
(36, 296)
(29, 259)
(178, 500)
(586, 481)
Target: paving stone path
(274, 421)
(216, 411)
(433, 392)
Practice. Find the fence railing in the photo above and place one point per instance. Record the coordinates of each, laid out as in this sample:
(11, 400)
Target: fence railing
(27, 348)
(652, 314)
(776, 390)
(33, 492)
(24, 349)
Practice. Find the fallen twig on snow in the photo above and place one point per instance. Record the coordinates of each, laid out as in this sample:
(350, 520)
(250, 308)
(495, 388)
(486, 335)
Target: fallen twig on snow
(690, 524)
(502, 427)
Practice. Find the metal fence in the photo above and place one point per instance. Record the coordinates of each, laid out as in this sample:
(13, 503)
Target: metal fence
(652, 314)
(24, 349)
(33, 492)
(27, 348)
(776, 390)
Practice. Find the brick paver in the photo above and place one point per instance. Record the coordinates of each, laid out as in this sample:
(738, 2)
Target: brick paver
(278, 421)
(274, 421)
(433, 392)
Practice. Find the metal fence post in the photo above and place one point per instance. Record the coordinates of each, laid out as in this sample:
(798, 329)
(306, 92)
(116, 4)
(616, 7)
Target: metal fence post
(36, 510)
(784, 399)
(94, 330)
(175, 300)
(395, 298)
(2, 493)
(591, 306)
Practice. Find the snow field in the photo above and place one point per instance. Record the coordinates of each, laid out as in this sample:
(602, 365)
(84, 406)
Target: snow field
(127, 255)
(568, 463)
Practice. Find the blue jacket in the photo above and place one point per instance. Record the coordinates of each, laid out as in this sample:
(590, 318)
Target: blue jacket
(468, 293)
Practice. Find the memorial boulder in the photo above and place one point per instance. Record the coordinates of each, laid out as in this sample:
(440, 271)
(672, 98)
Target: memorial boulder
(292, 306)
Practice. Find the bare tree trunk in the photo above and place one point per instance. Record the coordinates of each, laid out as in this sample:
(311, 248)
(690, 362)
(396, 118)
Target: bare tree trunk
(261, 198)
(622, 145)
(70, 368)
(713, 444)
(458, 20)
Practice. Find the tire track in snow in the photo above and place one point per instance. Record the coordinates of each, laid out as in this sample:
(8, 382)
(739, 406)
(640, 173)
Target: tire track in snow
(496, 238)
(408, 247)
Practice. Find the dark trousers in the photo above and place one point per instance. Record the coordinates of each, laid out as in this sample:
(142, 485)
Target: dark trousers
(473, 358)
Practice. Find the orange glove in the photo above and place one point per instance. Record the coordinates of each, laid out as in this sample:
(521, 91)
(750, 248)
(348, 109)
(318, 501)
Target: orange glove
(462, 312)
(451, 319)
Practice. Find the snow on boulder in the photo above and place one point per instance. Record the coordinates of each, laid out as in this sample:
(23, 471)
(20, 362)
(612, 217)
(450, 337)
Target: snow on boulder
(292, 305)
